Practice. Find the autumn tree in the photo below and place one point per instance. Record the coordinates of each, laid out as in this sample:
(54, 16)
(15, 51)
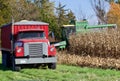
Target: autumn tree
(113, 16)
(116, 1)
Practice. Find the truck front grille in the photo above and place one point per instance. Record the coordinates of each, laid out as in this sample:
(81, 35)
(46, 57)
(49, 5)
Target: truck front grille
(35, 49)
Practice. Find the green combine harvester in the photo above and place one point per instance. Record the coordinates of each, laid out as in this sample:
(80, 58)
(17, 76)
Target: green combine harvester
(80, 27)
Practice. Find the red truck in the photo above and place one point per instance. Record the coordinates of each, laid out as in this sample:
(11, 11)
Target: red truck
(26, 43)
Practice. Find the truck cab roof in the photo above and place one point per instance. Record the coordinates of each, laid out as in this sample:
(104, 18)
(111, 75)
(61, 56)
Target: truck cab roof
(25, 22)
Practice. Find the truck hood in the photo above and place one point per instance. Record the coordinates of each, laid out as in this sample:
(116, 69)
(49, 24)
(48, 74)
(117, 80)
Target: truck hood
(33, 40)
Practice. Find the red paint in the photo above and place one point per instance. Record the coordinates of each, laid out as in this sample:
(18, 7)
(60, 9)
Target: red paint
(51, 53)
(34, 40)
(21, 53)
(18, 28)
(6, 31)
(9, 29)
(5, 36)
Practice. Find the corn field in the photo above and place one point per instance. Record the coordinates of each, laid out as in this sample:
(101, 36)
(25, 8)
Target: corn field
(88, 61)
(98, 49)
(101, 44)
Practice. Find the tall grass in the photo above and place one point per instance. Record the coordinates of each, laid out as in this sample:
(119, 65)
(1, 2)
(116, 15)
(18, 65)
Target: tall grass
(101, 44)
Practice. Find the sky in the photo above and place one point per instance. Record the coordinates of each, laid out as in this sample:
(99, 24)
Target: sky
(79, 7)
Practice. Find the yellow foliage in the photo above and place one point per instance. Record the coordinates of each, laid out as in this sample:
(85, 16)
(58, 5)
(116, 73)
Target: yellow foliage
(114, 14)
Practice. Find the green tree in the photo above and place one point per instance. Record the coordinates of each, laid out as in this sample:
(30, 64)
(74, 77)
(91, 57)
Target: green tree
(4, 12)
(41, 10)
(61, 15)
(71, 17)
(46, 9)
(64, 16)
(23, 9)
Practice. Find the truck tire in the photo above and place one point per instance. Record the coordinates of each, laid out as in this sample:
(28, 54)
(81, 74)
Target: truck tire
(17, 68)
(14, 66)
(4, 57)
(6, 61)
(52, 65)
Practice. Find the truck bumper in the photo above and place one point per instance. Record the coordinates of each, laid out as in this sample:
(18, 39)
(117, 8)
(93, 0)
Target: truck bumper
(35, 60)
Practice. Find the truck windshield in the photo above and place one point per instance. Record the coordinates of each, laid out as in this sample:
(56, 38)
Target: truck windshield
(23, 35)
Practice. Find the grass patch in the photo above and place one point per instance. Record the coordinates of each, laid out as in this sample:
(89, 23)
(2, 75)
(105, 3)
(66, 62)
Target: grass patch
(62, 73)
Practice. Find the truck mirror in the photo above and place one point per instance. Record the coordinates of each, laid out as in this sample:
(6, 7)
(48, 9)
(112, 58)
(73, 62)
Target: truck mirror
(51, 34)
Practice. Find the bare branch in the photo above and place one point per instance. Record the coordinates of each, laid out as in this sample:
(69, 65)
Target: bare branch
(99, 7)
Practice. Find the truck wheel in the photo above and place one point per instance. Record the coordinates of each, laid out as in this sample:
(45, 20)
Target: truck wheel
(17, 68)
(14, 66)
(6, 59)
(52, 66)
